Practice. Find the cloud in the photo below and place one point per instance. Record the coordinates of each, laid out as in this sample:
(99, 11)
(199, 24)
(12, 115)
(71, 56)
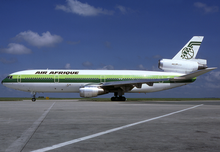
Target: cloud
(141, 67)
(212, 86)
(212, 80)
(83, 9)
(10, 61)
(73, 42)
(122, 9)
(213, 76)
(107, 67)
(46, 40)
(87, 64)
(14, 48)
(67, 66)
(205, 8)
(157, 57)
(154, 68)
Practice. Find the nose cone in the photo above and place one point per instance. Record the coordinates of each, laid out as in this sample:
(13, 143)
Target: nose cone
(3, 81)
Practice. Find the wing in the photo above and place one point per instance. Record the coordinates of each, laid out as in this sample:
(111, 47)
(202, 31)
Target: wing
(133, 82)
(129, 85)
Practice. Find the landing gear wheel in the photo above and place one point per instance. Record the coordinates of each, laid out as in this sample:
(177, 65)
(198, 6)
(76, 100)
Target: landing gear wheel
(113, 99)
(33, 96)
(118, 99)
(123, 99)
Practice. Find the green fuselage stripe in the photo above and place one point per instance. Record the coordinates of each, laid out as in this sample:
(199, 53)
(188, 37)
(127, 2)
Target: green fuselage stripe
(83, 78)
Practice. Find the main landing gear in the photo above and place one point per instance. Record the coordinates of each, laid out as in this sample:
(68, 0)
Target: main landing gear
(118, 98)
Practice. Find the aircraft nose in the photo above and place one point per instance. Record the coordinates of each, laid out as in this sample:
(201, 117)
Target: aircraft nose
(2, 82)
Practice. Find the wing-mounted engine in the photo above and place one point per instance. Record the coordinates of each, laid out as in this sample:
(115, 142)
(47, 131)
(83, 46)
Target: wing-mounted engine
(182, 66)
(91, 91)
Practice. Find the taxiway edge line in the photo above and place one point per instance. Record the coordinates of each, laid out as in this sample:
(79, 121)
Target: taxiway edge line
(20, 143)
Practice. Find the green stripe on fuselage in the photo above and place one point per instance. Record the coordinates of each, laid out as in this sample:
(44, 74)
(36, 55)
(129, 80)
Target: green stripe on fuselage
(85, 78)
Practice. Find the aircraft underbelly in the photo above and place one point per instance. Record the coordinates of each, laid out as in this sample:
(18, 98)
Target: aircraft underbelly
(46, 87)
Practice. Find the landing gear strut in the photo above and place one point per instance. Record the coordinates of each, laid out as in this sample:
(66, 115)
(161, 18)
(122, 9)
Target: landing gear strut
(33, 96)
(118, 98)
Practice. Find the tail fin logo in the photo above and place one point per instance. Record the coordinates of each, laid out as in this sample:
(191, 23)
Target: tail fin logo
(188, 52)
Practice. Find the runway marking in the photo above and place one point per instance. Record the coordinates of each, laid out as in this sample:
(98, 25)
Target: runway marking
(19, 144)
(108, 131)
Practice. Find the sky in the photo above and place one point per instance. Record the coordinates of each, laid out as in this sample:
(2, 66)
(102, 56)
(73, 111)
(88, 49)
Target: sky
(110, 34)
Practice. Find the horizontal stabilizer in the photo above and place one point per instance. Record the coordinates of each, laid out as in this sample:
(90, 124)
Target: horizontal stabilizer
(192, 75)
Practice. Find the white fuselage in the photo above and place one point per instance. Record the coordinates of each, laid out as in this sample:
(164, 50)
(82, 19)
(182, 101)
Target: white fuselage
(22, 78)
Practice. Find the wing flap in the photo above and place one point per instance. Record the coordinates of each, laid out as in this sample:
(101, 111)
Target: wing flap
(136, 83)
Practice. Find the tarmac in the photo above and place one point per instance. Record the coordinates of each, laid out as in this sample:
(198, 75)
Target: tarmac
(88, 126)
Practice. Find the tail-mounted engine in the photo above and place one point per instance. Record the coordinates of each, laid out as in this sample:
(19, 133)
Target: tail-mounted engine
(182, 66)
(91, 91)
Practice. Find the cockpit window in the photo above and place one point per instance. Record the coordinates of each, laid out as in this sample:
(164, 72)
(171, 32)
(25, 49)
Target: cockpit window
(9, 77)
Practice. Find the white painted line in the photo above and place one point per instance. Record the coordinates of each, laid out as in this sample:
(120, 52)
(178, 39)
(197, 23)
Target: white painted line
(19, 144)
(108, 131)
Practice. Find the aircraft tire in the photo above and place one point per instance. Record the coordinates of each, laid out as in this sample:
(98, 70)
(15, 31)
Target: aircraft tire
(123, 99)
(118, 99)
(112, 98)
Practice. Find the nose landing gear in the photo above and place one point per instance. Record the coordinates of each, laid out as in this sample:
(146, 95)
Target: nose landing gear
(33, 96)
(33, 99)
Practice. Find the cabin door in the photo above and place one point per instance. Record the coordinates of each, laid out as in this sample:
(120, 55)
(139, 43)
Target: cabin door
(56, 78)
(18, 78)
(102, 79)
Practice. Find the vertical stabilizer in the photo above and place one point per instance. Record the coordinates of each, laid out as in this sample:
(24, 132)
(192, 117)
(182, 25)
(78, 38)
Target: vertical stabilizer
(190, 50)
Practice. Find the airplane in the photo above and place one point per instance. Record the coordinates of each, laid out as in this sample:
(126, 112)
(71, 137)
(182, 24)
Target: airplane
(181, 70)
